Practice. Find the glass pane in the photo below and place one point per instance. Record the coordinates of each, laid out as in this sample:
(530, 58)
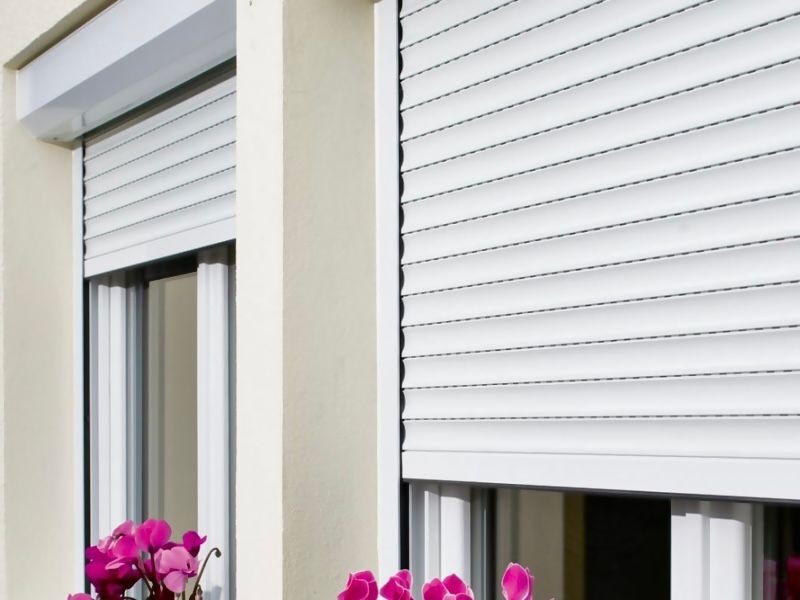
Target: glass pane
(781, 560)
(171, 402)
(584, 547)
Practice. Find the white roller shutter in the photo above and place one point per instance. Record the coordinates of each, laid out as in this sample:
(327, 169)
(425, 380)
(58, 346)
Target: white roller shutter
(601, 242)
(164, 184)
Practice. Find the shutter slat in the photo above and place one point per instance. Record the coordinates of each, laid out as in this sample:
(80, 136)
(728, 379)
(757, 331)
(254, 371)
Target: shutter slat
(188, 125)
(729, 100)
(728, 226)
(739, 394)
(696, 192)
(758, 350)
(742, 438)
(720, 311)
(204, 212)
(756, 264)
(186, 151)
(500, 21)
(163, 184)
(425, 18)
(596, 64)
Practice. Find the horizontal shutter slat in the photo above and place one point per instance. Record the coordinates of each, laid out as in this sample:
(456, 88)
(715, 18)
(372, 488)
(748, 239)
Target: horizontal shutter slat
(187, 126)
(755, 264)
(739, 394)
(690, 355)
(573, 71)
(718, 311)
(727, 226)
(745, 438)
(428, 44)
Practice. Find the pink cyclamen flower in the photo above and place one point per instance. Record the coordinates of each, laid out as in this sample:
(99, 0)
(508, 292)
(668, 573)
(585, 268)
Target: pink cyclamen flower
(517, 583)
(192, 542)
(152, 535)
(360, 586)
(109, 580)
(398, 587)
(175, 566)
(451, 587)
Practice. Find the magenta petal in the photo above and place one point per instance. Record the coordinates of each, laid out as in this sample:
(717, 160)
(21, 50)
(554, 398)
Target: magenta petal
(161, 533)
(125, 547)
(175, 581)
(192, 542)
(124, 528)
(397, 588)
(434, 590)
(80, 596)
(455, 585)
(405, 579)
(357, 589)
(517, 583)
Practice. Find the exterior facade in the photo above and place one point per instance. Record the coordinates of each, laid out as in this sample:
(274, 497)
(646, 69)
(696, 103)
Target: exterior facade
(436, 284)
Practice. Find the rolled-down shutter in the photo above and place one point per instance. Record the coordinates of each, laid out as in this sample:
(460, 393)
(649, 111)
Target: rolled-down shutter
(164, 184)
(601, 243)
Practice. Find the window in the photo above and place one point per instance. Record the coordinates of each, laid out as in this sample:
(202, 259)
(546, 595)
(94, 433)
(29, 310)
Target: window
(161, 358)
(583, 546)
(170, 406)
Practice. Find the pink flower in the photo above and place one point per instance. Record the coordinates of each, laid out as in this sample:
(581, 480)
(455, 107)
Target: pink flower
(175, 566)
(517, 583)
(360, 586)
(398, 587)
(451, 587)
(152, 535)
(109, 580)
(80, 596)
(192, 542)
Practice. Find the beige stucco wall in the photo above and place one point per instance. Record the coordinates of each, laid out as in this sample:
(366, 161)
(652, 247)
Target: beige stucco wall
(306, 426)
(36, 308)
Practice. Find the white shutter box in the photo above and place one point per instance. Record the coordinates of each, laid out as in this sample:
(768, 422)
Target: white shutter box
(163, 184)
(601, 243)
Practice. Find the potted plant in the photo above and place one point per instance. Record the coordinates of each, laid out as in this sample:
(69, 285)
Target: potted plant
(144, 552)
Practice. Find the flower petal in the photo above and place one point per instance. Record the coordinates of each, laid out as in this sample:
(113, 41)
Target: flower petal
(434, 590)
(455, 585)
(356, 589)
(517, 583)
(175, 581)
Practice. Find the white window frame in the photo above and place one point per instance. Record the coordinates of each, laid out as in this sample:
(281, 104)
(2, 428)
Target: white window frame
(707, 536)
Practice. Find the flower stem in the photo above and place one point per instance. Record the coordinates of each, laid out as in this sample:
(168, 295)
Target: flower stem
(216, 552)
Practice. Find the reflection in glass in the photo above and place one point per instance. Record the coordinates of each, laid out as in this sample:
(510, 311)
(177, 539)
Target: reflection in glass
(781, 564)
(585, 547)
(170, 411)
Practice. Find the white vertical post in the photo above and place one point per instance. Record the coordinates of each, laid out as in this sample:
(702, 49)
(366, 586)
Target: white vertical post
(115, 390)
(78, 458)
(214, 324)
(441, 519)
(456, 519)
(712, 550)
(731, 543)
(387, 229)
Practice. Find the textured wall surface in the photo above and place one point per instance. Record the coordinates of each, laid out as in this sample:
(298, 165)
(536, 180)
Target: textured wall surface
(36, 307)
(307, 340)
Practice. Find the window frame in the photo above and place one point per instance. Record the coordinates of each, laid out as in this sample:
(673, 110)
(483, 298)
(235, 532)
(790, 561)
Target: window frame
(100, 449)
